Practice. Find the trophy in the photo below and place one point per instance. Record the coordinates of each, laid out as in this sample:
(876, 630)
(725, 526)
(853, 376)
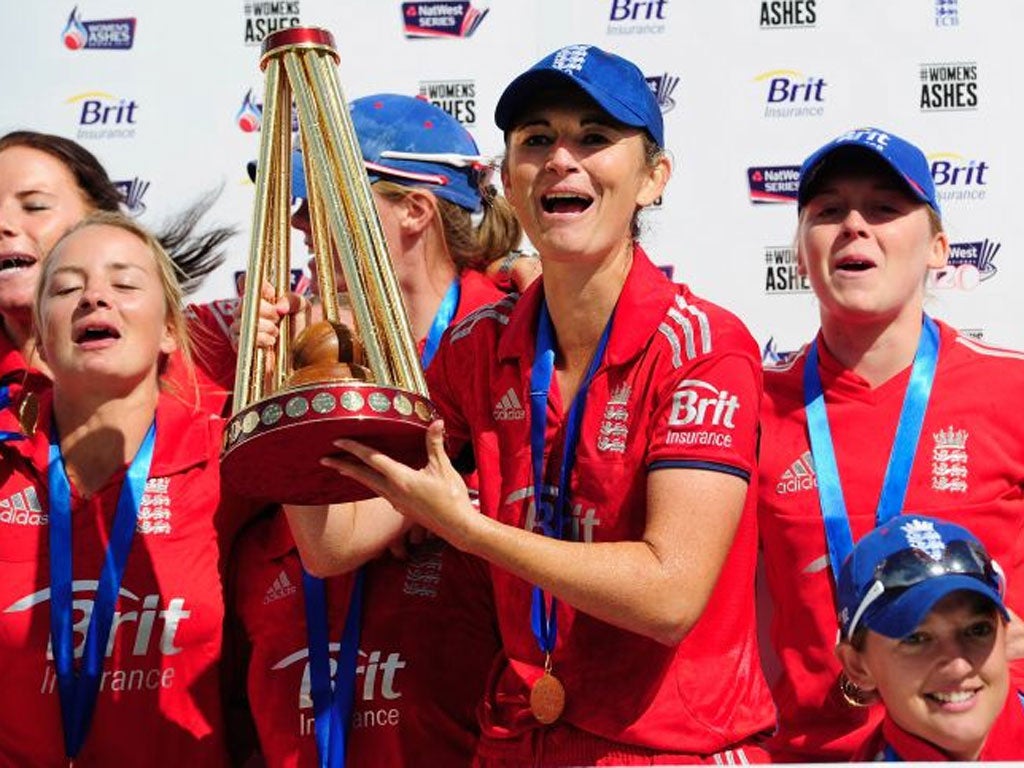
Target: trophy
(363, 383)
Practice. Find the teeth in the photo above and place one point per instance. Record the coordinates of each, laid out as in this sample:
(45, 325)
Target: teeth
(953, 697)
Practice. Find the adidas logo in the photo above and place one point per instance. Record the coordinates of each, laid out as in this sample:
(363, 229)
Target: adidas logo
(799, 477)
(509, 408)
(23, 508)
(280, 589)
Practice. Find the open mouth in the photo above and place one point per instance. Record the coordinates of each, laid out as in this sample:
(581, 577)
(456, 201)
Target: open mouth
(566, 202)
(854, 264)
(15, 261)
(92, 333)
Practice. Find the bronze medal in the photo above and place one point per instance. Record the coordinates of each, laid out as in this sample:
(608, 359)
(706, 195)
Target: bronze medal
(547, 698)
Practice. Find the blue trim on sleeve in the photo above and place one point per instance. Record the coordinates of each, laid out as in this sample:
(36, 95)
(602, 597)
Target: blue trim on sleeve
(712, 466)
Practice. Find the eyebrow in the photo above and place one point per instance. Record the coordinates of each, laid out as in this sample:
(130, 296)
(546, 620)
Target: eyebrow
(117, 266)
(600, 120)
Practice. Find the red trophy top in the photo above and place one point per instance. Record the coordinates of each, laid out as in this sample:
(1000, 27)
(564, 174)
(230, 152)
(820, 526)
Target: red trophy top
(297, 37)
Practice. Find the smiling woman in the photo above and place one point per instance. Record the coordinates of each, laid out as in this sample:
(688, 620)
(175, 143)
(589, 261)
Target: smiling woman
(618, 513)
(886, 410)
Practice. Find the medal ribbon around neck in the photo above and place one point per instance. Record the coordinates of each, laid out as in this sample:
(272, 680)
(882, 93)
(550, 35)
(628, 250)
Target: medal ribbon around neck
(333, 697)
(901, 458)
(78, 690)
(543, 621)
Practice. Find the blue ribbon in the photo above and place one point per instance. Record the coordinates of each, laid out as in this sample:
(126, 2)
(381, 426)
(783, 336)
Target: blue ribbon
(78, 690)
(5, 401)
(901, 458)
(333, 703)
(552, 522)
(889, 755)
(443, 318)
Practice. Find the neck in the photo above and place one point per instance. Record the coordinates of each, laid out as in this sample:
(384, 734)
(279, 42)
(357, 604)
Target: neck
(97, 439)
(875, 352)
(580, 301)
(424, 285)
(19, 329)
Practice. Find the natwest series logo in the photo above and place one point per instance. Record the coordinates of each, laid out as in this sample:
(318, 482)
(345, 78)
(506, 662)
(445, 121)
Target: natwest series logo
(456, 97)
(663, 86)
(781, 271)
(773, 183)
(250, 115)
(263, 18)
(788, 14)
(105, 34)
(637, 17)
(969, 265)
(102, 115)
(790, 93)
(958, 178)
(949, 86)
(441, 18)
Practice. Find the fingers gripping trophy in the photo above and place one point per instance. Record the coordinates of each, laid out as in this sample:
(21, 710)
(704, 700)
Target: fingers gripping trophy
(332, 381)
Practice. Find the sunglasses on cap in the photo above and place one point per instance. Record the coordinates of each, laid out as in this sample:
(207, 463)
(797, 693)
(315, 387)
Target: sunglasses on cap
(909, 567)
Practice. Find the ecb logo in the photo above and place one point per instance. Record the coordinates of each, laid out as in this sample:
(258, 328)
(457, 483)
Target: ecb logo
(663, 86)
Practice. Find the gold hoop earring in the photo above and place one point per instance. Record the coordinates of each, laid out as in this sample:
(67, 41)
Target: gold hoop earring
(854, 695)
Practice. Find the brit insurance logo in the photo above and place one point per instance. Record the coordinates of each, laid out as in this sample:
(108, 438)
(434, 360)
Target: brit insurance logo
(104, 34)
(958, 178)
(790, 93)
(132, 191)
(663, 86)
(637, 17)
(947, 13)
(773, 183)
(949, 86)
(968, 266)
(440, 18)
(263, 18)
(782, 273)
(102, 115)
(249, 116)
(788, 14)
(456, 97)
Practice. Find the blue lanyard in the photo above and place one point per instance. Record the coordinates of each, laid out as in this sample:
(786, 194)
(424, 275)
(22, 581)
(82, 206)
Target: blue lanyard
(901, 457)
(332, 709)
(889, 755)
(78, 690)
(5, 400)
(443, 318)
(551, 521)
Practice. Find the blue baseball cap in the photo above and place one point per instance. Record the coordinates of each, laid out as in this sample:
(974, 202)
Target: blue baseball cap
(898, 572)
(410, 141)
(616, 84)
(906, 160)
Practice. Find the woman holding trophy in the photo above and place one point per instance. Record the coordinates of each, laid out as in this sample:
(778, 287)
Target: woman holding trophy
(612, 417)
(428, 184)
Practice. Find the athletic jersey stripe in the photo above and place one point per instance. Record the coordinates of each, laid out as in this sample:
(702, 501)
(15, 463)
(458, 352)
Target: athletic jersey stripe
(687, 328)
(712, 466)
(985, 349)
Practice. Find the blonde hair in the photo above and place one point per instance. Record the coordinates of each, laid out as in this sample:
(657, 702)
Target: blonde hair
(167, 272)
(470, 246)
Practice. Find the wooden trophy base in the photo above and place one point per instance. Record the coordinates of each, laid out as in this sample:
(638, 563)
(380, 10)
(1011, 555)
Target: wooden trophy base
(272, 449)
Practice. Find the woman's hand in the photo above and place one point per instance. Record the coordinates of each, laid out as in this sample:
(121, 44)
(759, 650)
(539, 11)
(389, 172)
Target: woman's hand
(435, 496)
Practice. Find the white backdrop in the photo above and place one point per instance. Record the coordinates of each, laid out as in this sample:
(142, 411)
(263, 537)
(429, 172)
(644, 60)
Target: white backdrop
(157, 89)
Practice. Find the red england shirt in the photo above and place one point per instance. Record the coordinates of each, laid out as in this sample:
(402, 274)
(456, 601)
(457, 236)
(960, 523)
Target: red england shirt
(969, 468)
(679, 386)
(1004, 742)
(160, 693)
